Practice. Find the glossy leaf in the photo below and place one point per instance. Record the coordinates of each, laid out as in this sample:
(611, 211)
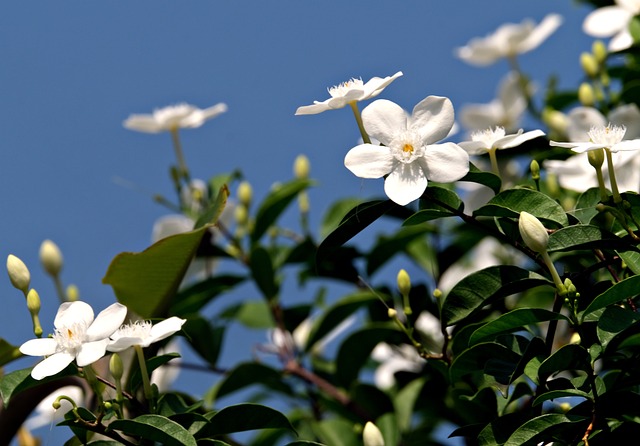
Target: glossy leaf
(567, 393)
(156, 428)
(567, 357)
(512, 321)
(511, 202)
(531, 429)
(585, 208)
(436, 202)
(487, 285)
(488, 179)
(584, 237)
(17, 381)
(245, 417)
(614, 321)
(336, 212)
(631, 259)
(620, 291)
(479, 357)
(275, 203)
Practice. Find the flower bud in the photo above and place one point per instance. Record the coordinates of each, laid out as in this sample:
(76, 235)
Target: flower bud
(599, 50)
(33, 301)
(51, 257)
(533, 232)
(115, 367)
(535, 170)
(18, 273)
(245, 193)
(596, 157)
(73, 293)
(392, 313)
(589, 64)
(371, 435)
(404, 282)
(301, 167)
(241, 215)
(586, 95)
(303, 202)
(555, 119)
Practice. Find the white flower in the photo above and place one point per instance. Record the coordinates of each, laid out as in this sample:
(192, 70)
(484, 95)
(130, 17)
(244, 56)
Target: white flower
(143, 333)
(602, 137)
(394, 359)
(488, 140)
(46, 415)
(409, 156)
(613, 21)
(505, 111)
(508, 41)
(77, 336)
(353, 90)
(173, 117)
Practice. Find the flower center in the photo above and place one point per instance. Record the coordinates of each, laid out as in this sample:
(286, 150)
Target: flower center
(137, 329)
(341, 90)
(607, 136)
(407, 147)
(71, 337)
(488, 136)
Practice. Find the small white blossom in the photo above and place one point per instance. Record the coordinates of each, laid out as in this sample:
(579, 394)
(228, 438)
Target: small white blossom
(508, 41)
(409, 157)
(173, 117)
(609, 137)
(77, 336)
(613, 21)
(143, 333)
(353, 90)
(483, 141)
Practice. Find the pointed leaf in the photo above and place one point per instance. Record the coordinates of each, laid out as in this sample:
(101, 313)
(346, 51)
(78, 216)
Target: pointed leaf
(626, 289)
(211, 215)
(8, 352)
(156, 428)
(479, 357)
(194, 298)
(567, 357)
(248, 374)
(512, 321)
(584, 237)
(478, 176)
(586, 205)
(263, 273)
(566, 393)
(245, 417)
(530, 430)
(436, 202)
(511, 202)
(614, 321)
(334, 215)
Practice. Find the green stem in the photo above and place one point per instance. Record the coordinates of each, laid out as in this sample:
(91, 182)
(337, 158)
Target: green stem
(552, 269)
(494, 161)
(92, 379)
(356, 113)
(604, 195)
(59, 289)
(146, 383)
(177, 146)
(612, 177)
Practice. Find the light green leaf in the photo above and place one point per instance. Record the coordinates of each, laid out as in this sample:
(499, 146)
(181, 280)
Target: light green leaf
(8, 352)
(156, 428)
(511, 202)
(585, 208)
(211, 214)
(336, 432)
(631, 259)
(514, 320)
(404, 402)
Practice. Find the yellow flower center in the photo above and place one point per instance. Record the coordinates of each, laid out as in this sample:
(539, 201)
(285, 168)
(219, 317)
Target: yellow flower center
(407, 148)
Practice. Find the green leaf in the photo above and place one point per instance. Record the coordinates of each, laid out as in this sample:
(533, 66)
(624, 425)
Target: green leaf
(631, 259)
(488, 179)
(204, 338)
(614, 321)
(530, 430)
(512, 321)
(156, 428)
(480, 357)
(194, 298)
(304, 443)
(338, 312)
(584, 237)
(511, 202)
(567, 357)
(275, 203)
(566, 393)
(352, 224)
(387, 247)
(263, 273)
(251, 313)
(626, 289)
(585, 208)
(212, 213)
(336, 432)
(334, 215)
(248, 374)
(436, 202)
(8, 352)
(245, 417)
(482, 287)
(147, 282)
(17, 381)
(405, 401)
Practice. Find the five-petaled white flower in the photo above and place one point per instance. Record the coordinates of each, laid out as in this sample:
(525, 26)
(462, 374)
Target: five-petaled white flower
(143, 333)
(508, 41)
(77, 336)
(353, 90)
(483, 141)
(613, 21)
(602, 137)
(408, 155)
(173, 117)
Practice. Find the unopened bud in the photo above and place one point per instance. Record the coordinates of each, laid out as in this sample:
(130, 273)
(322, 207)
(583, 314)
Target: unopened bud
(51, 257)
(303, 202)
(599, 50)
(535, 170)
(371, 435)
(596, 157)
(18, 273)
(241, 215)
(437, 293)
(245, 193)
(589, 64)
(404, 282)
(33, 302)
(392, 313)
(533, 232)
(115, 367)
(555, 119)
(301, 167)
(586, 95)
(73, 293)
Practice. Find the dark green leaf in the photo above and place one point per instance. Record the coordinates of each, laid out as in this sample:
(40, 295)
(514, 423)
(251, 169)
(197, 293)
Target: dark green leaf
(336, 432)
(17, 381)
(625, 289)
(512, 321)
(488, 179)
(480, 357)
(530, 430)
(205, 339)
(193, 299)
(263, 273)
(614, 321)
(567, 393)
(156, 428)
(436, 202)
(248, 374)
(567, 357)
(245, 417)
(334, 215)
(387, 247)
(511, 202)
(482, 287)
(584, 237)
(274, 205)
(631, 260)
(8, 352)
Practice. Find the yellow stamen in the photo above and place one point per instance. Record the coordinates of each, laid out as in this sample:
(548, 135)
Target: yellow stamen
(407, 148)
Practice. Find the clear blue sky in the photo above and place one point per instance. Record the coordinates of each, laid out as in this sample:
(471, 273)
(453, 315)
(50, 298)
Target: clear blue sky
(73, 71)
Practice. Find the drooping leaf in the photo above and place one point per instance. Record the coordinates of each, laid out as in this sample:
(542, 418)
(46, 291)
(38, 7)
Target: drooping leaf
(245, 417)
(482, 287)
(436, 202)
(336, 212)
(18, 381)
(511, 202)
(567, 357)
(626, 289)
(514, 320)
(275, 203)
(156, 428)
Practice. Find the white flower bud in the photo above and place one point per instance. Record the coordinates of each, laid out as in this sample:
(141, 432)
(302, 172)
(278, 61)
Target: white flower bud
(51, 257)
(371, 435)
(533, 232)
(245, 193)
(33, 302)
(18, 273)
(404, 282)
(586, 95)
(301, 167)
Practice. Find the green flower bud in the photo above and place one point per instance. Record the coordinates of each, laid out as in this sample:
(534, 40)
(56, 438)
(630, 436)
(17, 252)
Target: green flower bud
(33, 302)
(73, 293)
(533, 232)
(241, 215)
(371, 435)
(589, 64)
(437, 293)
(115, 367)
(301, 167)
(586, 94)
(245, 193)
(18, 273)
(51, 257)
(599, 50)
(555, 119)
(404, 282)
(596, 157)
(535, 170)
(392, 313)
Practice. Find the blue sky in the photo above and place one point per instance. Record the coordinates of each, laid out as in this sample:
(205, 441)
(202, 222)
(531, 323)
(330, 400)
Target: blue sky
(73, 72)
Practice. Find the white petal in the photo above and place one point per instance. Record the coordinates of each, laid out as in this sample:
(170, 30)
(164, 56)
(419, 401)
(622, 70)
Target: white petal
(621, 41)
(51, 365)
(474, 147)
(581, 119)
(124, 343)
(107, 322)
(352, 95)
(405, 183)
(39, 347)
(170, 225)
(433, 118)
(626, 145)
(446, 162)
(369, 161)
(515, 140)
(482, 116)
(540, 33)
(606, 21)
(627, 115)
(90, 352)
(383, 120)
(143, 123)
(477, 52)
(70, 313)
(375, 85)
(314, 109)
(574, 173)
(166, 328)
